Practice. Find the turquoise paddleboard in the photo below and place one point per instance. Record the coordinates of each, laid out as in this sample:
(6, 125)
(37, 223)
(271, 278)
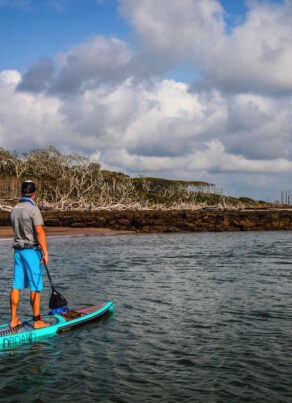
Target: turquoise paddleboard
(26, 334)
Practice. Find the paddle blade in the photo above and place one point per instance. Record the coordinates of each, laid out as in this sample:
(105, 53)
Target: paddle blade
(57, 300)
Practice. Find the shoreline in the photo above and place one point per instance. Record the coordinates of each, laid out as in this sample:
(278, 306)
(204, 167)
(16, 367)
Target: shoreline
(7, 232)
(104, 222)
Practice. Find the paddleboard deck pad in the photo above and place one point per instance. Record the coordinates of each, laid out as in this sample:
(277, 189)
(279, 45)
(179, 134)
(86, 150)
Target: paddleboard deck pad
(26, 334)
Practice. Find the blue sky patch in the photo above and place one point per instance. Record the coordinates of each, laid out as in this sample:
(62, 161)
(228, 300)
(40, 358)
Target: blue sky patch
(43, 30)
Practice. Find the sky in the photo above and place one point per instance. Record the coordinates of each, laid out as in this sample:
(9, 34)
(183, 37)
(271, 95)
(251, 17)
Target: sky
(182, 89)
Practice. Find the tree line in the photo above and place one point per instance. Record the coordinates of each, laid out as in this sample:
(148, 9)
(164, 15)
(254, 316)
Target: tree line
(74, 182)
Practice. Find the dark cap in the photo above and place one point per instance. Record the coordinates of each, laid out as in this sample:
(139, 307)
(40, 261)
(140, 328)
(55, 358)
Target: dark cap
(27, 188)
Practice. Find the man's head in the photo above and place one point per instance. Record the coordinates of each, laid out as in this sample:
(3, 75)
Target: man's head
(28, 188)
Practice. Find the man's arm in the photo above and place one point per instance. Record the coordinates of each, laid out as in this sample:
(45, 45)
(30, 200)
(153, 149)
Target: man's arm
(41, 236)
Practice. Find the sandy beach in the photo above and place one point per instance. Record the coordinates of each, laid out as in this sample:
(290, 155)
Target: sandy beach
(7, 232)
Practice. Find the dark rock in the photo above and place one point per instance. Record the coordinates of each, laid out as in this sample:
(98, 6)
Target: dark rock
(169, 220)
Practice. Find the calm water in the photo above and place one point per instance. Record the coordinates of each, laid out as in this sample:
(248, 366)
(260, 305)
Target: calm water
(198, 318)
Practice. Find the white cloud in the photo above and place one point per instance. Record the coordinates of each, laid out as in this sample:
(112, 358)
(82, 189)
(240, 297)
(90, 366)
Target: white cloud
(157, 129)
(259, 127)
(26, 120)
(96, 61)
(256, 56)
(176, 28)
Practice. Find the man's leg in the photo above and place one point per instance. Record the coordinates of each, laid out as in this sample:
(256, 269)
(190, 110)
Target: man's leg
(14, 301)
(34, 271)
(35, 300)
(19, 282)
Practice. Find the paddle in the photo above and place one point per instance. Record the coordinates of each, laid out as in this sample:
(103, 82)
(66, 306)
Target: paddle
(57, 300)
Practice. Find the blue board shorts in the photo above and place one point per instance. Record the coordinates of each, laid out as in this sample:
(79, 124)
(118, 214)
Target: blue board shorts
(28, 271)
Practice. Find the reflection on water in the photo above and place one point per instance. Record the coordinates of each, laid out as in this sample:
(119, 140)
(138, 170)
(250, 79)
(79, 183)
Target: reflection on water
(198, 317)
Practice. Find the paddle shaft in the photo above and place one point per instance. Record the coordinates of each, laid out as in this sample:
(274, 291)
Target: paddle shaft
(57, 300)
(48, 273)
(49, 276)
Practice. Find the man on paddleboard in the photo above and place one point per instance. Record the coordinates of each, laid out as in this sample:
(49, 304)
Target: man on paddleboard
(29, 241)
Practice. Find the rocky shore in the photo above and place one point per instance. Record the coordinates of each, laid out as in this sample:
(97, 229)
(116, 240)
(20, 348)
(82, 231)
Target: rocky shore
(147, 221)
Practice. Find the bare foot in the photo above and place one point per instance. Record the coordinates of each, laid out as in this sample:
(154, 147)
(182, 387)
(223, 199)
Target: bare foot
(40, 324)
(15, 323)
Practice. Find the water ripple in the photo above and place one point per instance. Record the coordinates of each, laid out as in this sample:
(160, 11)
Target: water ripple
(198, 317)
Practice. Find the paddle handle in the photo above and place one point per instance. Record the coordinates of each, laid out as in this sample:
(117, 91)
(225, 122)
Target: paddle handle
(48, 273)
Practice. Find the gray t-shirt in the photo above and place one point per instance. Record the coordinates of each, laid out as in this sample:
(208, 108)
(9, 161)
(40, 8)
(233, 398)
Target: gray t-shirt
(24, 217)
